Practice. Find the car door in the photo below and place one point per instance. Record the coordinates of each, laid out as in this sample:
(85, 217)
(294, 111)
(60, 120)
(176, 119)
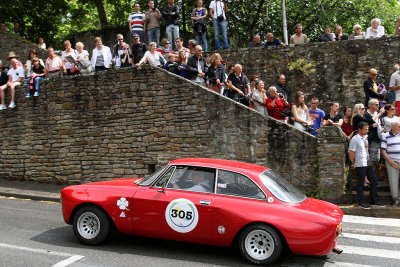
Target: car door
(172, 208)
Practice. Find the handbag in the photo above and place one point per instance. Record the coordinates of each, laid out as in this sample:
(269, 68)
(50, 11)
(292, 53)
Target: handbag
(75, 70)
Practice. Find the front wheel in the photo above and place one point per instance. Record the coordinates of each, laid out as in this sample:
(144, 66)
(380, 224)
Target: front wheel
(91, 225)
(260, 244)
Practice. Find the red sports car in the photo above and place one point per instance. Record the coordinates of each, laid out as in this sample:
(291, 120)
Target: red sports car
(209, 201)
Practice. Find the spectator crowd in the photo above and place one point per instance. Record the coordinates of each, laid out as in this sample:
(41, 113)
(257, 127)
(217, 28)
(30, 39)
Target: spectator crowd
(371, 128)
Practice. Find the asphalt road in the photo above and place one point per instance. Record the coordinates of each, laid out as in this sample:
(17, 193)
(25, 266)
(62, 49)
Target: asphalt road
(33, 233)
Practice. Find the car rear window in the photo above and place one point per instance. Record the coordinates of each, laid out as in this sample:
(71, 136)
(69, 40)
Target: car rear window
(281, 188)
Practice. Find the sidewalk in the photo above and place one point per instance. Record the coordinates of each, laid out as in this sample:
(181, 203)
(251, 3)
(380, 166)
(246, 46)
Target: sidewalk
(51, 192)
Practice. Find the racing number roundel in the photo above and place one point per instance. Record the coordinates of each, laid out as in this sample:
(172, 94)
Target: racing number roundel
(182, 215)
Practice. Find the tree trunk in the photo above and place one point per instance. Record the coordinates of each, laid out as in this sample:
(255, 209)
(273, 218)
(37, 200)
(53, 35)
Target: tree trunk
(102, 13)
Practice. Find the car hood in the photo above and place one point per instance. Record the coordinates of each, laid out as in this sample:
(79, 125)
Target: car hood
(117, 182)
(321, 207)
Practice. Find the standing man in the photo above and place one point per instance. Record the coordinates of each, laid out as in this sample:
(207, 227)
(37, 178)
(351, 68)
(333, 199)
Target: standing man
(54, 65)
(197, 67)
(371, 87)
(239, 86)
(316, 115)
(283, 88)
(138, 49)
(179, 47)
(18, 31)
(358, 154)
(371, 116)
(390, 149)
(271, 41)
(395, 87)
(153, 17)
(333, 118)
(340, 36)
(118, 50)
(15, 75)
(217, 13)
(171, 16)
(136, 21)
(298, 37)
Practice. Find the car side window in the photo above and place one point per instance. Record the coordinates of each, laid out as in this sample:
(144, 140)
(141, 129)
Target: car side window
(163, 180)
(236, 184)
(193, 178)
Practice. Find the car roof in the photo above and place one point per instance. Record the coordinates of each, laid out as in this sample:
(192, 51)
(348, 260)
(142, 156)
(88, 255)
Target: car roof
(238, 166)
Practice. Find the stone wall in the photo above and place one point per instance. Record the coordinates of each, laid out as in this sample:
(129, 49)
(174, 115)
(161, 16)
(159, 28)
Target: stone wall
(11, 42)
(330, 71)
(125, 123)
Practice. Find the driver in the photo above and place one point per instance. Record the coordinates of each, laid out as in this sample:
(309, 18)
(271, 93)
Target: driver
(200, 183)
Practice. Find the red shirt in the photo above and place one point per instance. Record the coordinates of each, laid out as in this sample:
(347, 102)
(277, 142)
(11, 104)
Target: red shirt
(279, 106)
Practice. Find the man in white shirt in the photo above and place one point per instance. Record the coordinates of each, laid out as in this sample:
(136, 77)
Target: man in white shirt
(358, 154)
(217, 13)
(15, 76)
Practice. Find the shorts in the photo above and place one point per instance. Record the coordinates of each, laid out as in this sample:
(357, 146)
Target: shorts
(374, 151)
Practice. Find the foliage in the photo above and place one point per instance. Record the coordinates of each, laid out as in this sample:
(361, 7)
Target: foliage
(55, 20)
(301, 64)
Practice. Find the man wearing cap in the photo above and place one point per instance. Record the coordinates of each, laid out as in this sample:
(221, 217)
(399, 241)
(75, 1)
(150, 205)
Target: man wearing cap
(15, 76)
(136, 21)
(138, 48)
(12, 55)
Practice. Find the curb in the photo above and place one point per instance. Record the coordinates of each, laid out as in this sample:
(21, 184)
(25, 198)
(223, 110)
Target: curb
(30, 194)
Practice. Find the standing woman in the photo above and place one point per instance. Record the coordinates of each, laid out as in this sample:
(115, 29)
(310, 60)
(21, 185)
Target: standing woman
(358, 116)
(259, 98)
(101, 56)
(300, 112)
(82, 57)
(151, 56)
(347, 127)
(199, 15)
(182, 61)
(216, 73)
(390, 118)
(68, 52)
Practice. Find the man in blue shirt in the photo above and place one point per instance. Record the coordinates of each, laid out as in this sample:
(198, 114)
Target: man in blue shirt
(316, 115)
(271, 41)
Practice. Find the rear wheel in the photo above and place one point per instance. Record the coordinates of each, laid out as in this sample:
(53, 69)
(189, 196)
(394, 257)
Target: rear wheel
(260, 244)
(91, 225)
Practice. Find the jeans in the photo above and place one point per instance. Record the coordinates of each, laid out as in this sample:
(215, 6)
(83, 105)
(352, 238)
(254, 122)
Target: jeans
(36, 83)
(220, 27)
(370, 173)
(202, 35)
(172, 32)
(154, 35)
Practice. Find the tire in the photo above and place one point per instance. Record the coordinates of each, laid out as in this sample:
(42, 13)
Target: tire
(260, 244)
(91, 225)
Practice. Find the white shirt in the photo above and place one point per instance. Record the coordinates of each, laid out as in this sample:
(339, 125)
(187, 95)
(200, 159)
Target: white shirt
(359, 145)
(16, 73)
(106, 56)
(154, 60)
(218, 8)
(380, 33)
(68, 65)
(395, 81)
(198, 78)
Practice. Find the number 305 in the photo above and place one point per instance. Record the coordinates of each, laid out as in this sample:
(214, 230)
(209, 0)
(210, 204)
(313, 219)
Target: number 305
(181, 214)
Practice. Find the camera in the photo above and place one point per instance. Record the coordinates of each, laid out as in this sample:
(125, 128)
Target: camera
(280, 95)
(154, 9)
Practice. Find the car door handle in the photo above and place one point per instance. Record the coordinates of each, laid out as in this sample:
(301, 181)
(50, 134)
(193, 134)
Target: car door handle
(205, 202)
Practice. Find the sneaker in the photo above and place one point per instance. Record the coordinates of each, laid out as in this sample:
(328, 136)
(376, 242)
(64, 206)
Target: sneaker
(28, 95)
(378, 204)
(12, 105)
(2, 106)
(364, 206)
(36, 94)
(396, 203)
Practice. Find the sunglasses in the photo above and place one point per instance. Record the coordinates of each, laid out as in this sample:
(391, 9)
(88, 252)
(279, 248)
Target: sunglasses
(376, 74)
(126, 48)
(362, 108)
(120, 39)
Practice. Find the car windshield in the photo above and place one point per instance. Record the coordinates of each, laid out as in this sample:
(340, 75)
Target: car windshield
(281, 188)
(150, 179)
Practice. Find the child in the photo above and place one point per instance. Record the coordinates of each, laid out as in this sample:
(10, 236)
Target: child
(171, 65)
(126, 57)
(38, 73)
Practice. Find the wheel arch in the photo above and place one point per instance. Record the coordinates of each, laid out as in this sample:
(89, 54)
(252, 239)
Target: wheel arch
(89, 204)
(236, 237)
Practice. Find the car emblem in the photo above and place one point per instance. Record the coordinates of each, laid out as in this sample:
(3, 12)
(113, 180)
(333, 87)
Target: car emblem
(122, 203)
(270, 199)
(221, 229)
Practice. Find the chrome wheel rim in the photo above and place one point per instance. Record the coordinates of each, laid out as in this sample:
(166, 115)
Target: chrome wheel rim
(88, 225)
(259, 244)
